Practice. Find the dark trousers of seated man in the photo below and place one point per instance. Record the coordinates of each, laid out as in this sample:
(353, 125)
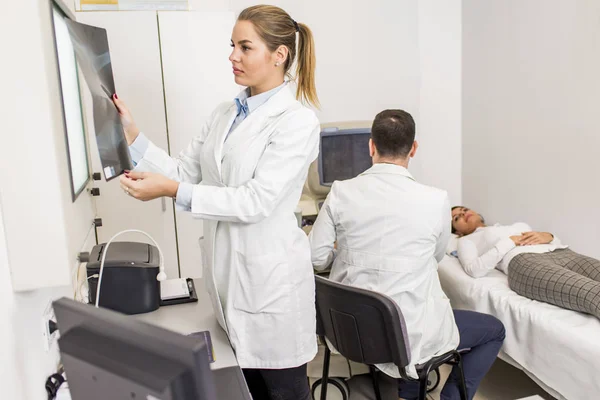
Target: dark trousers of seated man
(483, 334)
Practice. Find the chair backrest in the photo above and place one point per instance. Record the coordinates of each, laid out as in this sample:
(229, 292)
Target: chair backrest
(363, 326)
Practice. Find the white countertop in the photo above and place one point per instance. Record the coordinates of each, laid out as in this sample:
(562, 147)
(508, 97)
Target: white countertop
(195, 317)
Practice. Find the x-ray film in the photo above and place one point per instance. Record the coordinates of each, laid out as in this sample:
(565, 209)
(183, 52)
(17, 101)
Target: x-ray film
(91, 48)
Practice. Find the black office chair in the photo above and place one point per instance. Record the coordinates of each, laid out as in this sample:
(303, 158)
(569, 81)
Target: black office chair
(369, 328)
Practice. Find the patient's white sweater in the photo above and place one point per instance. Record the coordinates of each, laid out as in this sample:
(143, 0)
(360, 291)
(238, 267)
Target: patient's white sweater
(491, 247)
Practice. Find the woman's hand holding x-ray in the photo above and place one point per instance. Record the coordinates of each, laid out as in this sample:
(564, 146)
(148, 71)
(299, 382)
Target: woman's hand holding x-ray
(146, 186)
(129, 126)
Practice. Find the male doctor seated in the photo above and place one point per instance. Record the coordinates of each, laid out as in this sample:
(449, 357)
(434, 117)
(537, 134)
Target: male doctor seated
(391, 231)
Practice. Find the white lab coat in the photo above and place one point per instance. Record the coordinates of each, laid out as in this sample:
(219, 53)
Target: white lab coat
(247, 190)
(391, 232)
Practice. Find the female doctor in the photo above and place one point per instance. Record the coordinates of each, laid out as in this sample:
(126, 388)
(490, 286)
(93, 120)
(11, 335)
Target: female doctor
(243, 175)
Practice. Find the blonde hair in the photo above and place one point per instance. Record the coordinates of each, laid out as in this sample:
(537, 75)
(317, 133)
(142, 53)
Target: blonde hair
(276, 28)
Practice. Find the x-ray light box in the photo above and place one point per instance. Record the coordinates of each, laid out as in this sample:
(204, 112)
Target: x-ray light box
(71, 102)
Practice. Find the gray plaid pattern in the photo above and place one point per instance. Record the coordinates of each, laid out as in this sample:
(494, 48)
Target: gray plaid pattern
(562, 277)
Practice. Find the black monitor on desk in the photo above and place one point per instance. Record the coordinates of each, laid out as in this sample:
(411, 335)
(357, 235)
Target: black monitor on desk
(344, 154)
(107, 355)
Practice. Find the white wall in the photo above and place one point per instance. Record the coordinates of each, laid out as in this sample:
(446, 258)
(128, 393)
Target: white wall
(439, 126)
(531, 94)
(9, 363)
(39, 215)
(41, 230)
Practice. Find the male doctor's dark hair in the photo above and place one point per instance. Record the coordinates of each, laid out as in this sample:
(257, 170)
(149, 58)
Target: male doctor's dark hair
(393, 133)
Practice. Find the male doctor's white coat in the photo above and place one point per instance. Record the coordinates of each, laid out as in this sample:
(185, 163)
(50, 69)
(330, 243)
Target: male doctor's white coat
(391, 232)
(256, 261)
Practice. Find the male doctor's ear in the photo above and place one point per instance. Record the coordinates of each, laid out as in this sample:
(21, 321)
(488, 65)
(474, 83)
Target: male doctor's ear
(413, 149)
(371, 148)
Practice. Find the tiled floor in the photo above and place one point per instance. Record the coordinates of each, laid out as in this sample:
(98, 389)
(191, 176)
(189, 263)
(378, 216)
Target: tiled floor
(503, 382)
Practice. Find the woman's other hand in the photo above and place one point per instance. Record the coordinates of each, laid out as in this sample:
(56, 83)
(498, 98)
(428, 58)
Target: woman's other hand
(129, 127)
(530, 238)
(146, 186)
(517, 239)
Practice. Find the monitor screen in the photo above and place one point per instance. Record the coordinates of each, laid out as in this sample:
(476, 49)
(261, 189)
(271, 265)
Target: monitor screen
(71, 103)
(107, 355)
(344, 154)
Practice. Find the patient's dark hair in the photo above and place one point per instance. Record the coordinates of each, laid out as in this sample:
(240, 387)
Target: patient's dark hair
(393, 133)
(452, 222)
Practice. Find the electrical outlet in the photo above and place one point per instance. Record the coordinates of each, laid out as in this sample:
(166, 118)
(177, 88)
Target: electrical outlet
(48, 338)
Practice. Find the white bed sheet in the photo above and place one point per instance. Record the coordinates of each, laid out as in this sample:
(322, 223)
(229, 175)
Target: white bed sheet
(558, 348)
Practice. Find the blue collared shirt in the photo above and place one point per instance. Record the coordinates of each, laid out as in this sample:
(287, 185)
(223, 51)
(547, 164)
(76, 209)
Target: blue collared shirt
(245, 106)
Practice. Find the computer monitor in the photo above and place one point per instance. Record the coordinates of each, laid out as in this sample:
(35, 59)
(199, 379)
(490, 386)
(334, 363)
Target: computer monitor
(344, 154)
(107, 355)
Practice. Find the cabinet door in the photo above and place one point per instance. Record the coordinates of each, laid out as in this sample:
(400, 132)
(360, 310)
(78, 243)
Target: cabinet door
(135, 55)
(197, 77)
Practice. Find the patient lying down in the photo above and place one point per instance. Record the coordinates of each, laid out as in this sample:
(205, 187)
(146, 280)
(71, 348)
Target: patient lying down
(538, 265)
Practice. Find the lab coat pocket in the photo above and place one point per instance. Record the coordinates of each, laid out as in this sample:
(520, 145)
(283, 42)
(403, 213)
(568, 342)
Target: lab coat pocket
(263, 283)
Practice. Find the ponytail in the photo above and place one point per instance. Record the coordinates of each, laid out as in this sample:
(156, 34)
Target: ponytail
(305, 67)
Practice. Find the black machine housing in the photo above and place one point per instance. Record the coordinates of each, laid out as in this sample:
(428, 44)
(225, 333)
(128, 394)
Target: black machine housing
(129, 283)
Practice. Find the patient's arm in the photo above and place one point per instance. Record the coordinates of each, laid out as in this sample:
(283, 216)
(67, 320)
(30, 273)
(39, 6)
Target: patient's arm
(477, 265)
(322, 237)
(530, 238)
